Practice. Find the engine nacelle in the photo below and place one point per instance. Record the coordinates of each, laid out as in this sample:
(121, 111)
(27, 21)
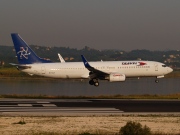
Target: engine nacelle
(117, 77)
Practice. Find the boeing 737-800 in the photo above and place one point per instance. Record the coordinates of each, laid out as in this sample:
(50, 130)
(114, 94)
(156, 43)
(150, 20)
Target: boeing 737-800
(113, 71)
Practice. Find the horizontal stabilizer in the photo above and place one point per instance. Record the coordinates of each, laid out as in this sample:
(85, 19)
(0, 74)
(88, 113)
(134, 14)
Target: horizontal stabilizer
(20, 66)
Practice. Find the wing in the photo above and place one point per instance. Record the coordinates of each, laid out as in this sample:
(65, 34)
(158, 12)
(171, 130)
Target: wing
(94, 73)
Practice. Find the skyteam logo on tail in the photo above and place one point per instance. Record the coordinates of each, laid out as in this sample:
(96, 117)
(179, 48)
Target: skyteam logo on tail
(23, 53)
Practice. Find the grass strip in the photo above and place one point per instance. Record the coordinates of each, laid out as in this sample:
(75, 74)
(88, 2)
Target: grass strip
(144, 96)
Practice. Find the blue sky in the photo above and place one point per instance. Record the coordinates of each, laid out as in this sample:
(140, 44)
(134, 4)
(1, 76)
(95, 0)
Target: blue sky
(99, 24)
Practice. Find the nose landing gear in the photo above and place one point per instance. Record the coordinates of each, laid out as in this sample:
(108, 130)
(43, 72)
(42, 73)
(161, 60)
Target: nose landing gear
(156, 81)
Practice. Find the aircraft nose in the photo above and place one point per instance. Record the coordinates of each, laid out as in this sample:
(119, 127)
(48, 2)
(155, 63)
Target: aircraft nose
(170, 70)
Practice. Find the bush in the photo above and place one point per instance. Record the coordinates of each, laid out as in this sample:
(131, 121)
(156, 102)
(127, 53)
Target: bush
(134, 128)
(20, 122)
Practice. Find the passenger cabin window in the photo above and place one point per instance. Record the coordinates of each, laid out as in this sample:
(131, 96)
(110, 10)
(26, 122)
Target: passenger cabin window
(163, 65)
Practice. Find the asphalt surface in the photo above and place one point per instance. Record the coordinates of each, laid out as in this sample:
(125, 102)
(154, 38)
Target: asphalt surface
(86, 106)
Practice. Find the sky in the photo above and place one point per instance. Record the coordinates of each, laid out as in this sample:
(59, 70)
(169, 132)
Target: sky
(99, 24)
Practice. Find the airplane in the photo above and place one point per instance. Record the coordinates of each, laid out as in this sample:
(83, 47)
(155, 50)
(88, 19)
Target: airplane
(113, 71)
(61, 58)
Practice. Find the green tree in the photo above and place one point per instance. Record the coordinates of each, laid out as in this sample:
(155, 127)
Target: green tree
(134, 128)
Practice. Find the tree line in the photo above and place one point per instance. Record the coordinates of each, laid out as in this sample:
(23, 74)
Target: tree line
(169, 57)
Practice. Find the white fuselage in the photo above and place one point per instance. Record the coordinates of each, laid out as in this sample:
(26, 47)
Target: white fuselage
(78, 70)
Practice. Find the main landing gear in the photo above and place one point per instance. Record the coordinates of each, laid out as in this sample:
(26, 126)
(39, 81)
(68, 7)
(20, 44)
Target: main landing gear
(94, 82)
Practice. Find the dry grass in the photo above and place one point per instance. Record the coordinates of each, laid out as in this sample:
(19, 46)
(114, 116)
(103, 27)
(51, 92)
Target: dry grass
(144, 96)
(75, 125)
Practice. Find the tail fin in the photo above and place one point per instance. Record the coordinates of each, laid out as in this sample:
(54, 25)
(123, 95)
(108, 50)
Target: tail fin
(24, 53)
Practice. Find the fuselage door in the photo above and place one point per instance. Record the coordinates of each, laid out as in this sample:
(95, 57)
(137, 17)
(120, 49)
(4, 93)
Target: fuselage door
(156, 67)
(43, 70)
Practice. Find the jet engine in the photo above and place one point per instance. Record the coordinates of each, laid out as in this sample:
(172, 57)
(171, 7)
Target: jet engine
(117, 77)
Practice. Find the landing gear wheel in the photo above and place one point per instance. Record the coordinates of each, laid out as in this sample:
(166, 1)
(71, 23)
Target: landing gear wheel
(91, 82)
(156, 81)
(96, 84)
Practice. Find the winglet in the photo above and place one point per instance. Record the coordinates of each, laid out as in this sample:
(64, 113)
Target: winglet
(61, 58)
(86, 64)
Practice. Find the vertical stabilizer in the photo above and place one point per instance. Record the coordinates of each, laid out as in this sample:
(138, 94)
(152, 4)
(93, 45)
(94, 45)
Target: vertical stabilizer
(24, 53)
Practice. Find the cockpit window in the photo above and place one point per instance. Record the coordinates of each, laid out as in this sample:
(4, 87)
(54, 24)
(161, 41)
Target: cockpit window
(164, 66)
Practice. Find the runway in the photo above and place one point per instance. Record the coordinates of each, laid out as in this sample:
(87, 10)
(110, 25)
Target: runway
(69, 107)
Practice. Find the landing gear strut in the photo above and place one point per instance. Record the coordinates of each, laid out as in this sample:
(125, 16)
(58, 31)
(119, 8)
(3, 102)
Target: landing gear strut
(94, 82)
